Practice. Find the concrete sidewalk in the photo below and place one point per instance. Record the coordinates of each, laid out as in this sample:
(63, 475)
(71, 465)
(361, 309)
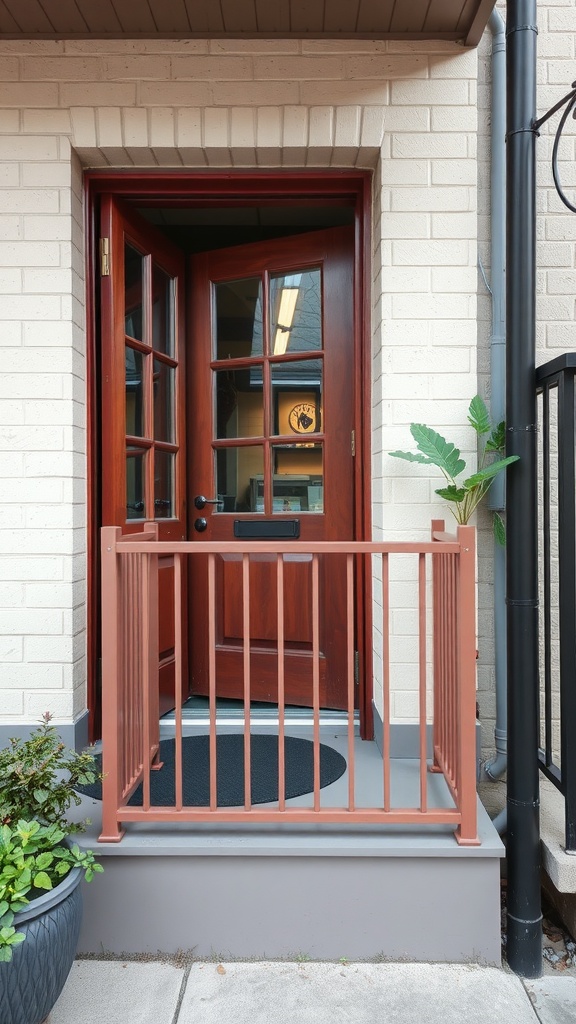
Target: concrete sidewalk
(128, 992)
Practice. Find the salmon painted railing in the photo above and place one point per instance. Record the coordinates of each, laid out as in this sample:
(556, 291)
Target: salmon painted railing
(444, 604)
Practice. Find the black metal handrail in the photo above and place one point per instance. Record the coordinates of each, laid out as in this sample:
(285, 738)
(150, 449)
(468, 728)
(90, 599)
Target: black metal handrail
(555, 384)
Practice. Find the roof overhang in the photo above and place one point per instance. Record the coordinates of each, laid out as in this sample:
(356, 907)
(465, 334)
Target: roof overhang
(457, 20)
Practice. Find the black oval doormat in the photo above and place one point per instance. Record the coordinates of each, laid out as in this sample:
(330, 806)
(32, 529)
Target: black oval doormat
(299, 761)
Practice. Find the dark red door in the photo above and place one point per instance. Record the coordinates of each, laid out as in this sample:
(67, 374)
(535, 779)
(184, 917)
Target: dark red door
(271, 417)
(143, 391)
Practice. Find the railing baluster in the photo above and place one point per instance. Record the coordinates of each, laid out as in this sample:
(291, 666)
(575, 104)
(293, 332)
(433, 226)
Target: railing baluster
(437, 643)
(212, 679)
(281, 699)
(129, 645)
(246, 669)
(443, 751)
(422, 679)
(350, 673)
(453, 619)
(444, 668)
(547, 581)
(178, 680)
(448, 667)
(132, 651)
(386, 677)
(316, 678)
(146, 682)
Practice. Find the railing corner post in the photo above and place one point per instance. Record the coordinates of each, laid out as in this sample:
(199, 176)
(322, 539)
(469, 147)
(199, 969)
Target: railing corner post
(466, 611)
(111, 718)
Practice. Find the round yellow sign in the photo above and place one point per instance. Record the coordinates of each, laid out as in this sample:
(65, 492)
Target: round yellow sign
(302, 418)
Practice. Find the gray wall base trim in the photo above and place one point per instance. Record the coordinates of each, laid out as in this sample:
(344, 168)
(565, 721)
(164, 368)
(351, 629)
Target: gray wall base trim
(73, 734)
(405, 737)
(325, 908)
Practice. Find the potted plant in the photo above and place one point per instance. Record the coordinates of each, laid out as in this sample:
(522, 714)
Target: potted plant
(464, 495)
(40, 871)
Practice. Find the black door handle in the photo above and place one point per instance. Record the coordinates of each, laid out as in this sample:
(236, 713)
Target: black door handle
(200, 524)
(200, 501)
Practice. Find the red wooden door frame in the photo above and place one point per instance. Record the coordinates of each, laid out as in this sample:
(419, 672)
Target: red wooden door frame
(233, 189)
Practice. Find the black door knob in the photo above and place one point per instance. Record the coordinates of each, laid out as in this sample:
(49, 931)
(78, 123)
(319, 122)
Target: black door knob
(200, 524)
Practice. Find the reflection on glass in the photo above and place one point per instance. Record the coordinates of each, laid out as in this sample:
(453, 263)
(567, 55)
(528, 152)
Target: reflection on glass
(298, 481)
(240, 479)
(135, 498)
(134, 362)
(239, 402)
(163, 485)
(296, 312)
(133, 291)
(238, 318)
(163, 402)
(297, 391)
(162, 311)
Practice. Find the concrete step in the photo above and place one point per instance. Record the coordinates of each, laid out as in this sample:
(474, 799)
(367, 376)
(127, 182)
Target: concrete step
(283, 891)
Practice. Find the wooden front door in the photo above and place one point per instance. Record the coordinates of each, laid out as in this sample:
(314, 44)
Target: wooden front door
(142, 396)
(271, 418)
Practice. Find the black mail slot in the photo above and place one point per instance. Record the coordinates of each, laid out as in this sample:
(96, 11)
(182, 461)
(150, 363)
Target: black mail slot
(267, 529)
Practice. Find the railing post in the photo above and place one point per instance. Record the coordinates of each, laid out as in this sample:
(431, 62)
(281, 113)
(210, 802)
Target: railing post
(112, 736)
(567, 598)
(467, 833)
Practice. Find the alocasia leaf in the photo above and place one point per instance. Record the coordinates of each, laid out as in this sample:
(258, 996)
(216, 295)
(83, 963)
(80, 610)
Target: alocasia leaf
(438, 450)
(478, 416)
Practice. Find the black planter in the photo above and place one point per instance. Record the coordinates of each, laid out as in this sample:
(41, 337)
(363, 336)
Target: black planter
(31, 983)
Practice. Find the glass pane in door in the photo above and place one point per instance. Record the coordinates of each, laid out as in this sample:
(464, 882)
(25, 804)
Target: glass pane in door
(133, 292)
(297, 397)
(134, 368)
(240, 479)
(163, 402)
(298, 480)
(296, 312)
(238, 318)
(135, 494)
(239, 402)
(163, 485)
(163, 287)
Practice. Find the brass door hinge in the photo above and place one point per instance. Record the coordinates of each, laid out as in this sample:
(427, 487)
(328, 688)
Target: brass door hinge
(353, 442)
(105, 257)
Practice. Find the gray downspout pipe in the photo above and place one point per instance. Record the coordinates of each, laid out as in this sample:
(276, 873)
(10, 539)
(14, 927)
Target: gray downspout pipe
(495, 769)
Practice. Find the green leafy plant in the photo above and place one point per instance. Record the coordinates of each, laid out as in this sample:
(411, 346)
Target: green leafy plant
(37, 780)
(33, 858)
(465, 495)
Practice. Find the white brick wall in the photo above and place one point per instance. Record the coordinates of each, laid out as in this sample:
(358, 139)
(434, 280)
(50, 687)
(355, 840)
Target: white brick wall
(406, 110)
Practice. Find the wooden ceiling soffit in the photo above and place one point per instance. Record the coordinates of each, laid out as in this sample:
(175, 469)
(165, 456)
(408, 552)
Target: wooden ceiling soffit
(459, 20)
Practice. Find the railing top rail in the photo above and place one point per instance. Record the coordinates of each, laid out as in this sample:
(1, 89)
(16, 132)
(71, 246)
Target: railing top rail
(554, 367)
(131, 544)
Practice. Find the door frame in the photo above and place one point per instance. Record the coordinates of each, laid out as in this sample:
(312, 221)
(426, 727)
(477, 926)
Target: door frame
(236, 188)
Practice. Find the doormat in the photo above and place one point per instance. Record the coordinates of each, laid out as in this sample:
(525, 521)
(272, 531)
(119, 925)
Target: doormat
(299, 772)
